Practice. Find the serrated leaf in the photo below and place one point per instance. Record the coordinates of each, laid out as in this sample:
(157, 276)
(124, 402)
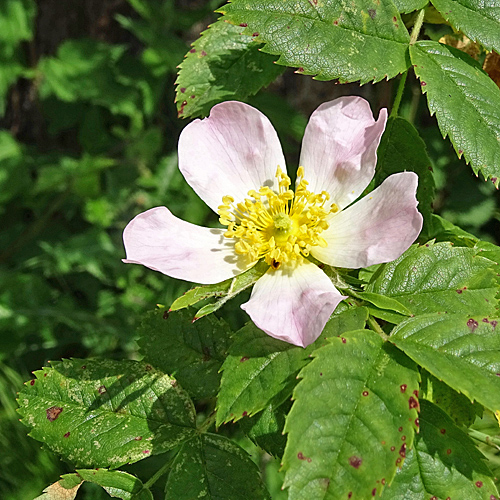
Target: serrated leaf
(353, 419)
(437, 277)
(259, 368)
(405, 6)
(193, 352)
(479, 20)
(214, 468)
(402, 149)
(444, 464)
(226, 290)
(465, 100)
(460, 409)
(223, 64)
(266, 428)
(103, 413)
(329, 39)
(462, 351)
(116, 483)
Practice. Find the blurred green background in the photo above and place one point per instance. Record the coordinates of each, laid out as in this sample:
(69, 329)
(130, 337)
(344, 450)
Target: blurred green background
(88, 135)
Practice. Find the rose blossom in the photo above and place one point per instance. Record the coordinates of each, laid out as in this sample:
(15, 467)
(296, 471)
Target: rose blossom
(234, 162)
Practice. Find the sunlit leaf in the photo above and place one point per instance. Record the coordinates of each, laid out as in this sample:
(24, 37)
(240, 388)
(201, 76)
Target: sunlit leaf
(353, 419)
(465, 100)
(330, 39)
(106, 413)
(222, 65)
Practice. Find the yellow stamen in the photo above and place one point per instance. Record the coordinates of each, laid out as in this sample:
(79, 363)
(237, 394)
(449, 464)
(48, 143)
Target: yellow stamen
(278, 226)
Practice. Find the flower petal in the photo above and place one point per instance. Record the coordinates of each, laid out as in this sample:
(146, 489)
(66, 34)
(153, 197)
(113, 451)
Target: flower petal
(159, 240)
(339, 149)
(378, 228)
(293, 304)
(234, 150)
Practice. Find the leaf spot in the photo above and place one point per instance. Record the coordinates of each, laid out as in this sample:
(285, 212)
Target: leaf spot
(53, 412)
(102, 389)
(32, 382)
(166, 313)
(243, 359)
(355, 462)
(479, 484)
(403, 387)
(67, 434)
(413, 403)
(365, 393)
(472, 324)
(372, 13)
(448, 451)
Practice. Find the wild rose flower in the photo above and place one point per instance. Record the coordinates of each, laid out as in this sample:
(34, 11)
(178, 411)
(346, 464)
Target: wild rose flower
(234, 162)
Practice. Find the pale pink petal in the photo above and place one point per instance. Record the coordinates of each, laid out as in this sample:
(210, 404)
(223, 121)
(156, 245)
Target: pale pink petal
(378, 228)
(339, 149)
(293, 303)
(159, 240)
(234, 150)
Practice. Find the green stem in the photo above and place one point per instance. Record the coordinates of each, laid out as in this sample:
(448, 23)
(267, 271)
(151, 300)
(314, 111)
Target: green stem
(159, 473)
(207, 423)
(372, 322)
(399, 95)
(485, 438)
(417, 27)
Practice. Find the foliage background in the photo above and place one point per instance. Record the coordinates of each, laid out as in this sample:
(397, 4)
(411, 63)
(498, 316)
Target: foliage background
(88, 139)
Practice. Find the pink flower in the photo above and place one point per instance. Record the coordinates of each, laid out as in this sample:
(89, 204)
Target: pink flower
(234, 162)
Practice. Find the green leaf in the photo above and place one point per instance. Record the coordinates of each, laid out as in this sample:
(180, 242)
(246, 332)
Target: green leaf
(214, 468)
(354, 417)
(105, 413)
(406, 6)
(223, 64)
(363, 40)
(460, 409)
(444, 464)
(465, 100)
(88, 70)
(266, 428)
(226, 290)
(193, 352)
(462, 351)
(438, 277)
(16, 22)
(402, 149)
(259, 368)
(116, 483)
(479, 20)
(384, 302)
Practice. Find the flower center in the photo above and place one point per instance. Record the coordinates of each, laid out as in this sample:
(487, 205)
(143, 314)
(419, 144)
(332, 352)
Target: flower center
(278, 227)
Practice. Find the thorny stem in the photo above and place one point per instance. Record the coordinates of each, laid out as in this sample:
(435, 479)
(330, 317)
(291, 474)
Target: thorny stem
(152, 480)
(401, 87)
(372, 322)
(485, 438)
